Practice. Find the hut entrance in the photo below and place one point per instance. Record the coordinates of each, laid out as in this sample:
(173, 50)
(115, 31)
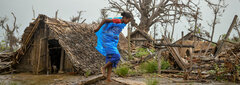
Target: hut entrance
(55, 55)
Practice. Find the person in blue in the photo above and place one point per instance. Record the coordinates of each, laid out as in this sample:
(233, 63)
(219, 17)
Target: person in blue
(108, 36)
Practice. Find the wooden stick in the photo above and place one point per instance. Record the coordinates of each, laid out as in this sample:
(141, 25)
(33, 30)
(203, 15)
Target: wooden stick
(61, 62)
(227, 35)
(46, 47)
(189, 81)
(204, 39)
(28, 38)
(230, 42)
(129, 43)
(128, 81)
(175, 45)
(175, 55)
(91, 80)
(39, 56)
(159, 61)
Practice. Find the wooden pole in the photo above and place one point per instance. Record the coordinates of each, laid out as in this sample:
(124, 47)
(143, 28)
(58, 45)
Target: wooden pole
(61, 62)
(33, 13)
(174, 45)
(25, 43)
(56, 14)
(227, 35)
(46, 47)
(181, 42)
(39, 56)
(204, 39)
(159, 55)
(129, 43)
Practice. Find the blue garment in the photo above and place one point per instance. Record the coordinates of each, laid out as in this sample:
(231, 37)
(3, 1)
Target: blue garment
(113, 58)
(108, 37)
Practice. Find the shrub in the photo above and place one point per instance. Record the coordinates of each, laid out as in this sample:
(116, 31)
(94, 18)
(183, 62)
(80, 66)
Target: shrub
(152, 66)
(164, 64)
(122, 71)
(149, 67)
(141, 52)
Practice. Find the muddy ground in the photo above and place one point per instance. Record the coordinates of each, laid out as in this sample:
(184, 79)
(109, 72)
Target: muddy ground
(65, 79)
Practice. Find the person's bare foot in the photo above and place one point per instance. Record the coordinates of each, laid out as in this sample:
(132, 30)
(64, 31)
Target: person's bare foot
(103, 71)
(108, 80)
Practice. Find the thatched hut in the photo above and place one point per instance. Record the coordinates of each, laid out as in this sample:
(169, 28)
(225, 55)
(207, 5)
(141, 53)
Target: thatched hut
(53, 45)
(139, 38)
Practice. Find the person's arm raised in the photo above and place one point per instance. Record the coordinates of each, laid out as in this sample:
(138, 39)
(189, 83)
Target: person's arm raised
(103, 21)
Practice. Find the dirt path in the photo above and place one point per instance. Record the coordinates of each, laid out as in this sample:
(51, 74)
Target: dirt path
(64, 79)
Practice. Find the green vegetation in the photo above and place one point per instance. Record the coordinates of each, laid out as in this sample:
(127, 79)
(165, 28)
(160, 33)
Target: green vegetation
(233, 39)
(152, 81)
(2, 45)
(12, 83)
(149, 67)
(219, 77)
(122, 70)
(133, 72)
(143, 52)
(7, 83)
(238, 69)
(86, 74)
(211, 72)
(164, 64)
(152, 66)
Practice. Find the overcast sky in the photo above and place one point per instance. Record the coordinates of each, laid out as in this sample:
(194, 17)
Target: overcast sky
(68, 8)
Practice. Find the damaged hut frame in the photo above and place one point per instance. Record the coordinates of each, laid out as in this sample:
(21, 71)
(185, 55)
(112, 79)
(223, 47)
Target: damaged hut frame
(55, 46)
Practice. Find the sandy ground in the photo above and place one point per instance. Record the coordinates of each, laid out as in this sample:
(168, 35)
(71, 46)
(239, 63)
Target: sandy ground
(64, 79)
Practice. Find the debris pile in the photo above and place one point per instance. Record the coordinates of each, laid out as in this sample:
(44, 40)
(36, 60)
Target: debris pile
(5, 61)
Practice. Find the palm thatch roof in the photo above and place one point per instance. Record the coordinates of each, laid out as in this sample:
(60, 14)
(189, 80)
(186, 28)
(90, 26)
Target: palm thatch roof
(77, 40)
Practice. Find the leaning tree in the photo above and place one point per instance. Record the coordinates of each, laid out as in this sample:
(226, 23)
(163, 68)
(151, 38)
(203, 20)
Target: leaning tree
(150, 12)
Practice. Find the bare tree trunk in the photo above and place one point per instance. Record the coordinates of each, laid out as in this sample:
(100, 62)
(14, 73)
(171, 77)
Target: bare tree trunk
(11, 40)
(213, 27)
(227, 35)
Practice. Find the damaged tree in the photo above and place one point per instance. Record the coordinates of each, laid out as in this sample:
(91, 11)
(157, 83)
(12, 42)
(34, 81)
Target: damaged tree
(11, 39)
(104, 14)
(150, 12)
(218, 9)
(78, 18)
